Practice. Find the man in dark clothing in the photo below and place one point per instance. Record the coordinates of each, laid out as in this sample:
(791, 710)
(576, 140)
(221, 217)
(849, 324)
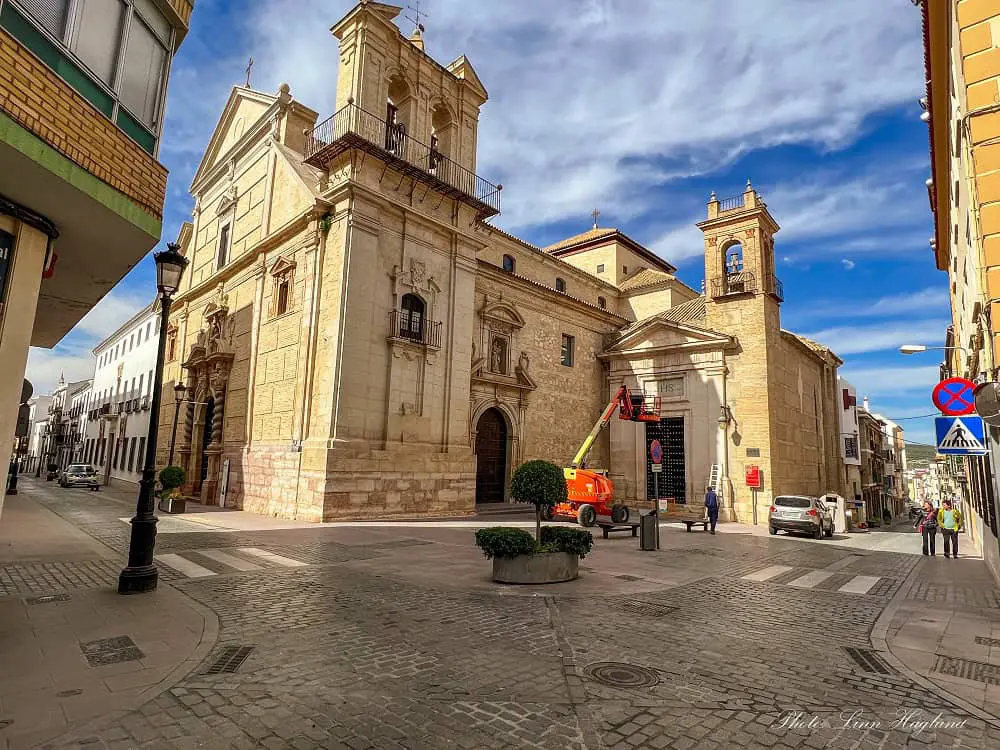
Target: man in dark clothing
(712, 506)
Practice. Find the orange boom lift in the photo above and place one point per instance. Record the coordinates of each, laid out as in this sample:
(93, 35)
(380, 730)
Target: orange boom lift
(591, 492)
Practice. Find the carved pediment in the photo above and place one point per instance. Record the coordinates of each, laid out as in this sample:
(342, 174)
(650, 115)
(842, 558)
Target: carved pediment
(500, 315)
(227, 201)
(661, 334)
(282, 265)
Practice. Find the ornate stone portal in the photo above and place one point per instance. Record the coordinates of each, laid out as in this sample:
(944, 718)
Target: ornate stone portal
(208, 368)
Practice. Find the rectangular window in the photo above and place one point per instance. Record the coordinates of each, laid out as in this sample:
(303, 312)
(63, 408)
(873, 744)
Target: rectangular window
(143, 73)
(282, 304)
(567, 350)
(131, 455)
(149, 383)
(600, 268)
(96, 35)
(51, 14)
(223, 255)
(140, 391)
(118, 445)
(104, 442)
(141, 453)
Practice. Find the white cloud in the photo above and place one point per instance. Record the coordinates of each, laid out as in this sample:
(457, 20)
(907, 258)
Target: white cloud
(111, 312)
(848, 264)
(923, 300)
(45, 366)
(692, 84)
(880, 336)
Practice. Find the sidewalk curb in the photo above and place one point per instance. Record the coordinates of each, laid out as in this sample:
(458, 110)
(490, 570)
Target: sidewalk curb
(879, 639)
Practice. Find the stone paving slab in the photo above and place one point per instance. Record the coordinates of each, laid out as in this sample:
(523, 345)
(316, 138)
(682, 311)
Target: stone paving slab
(395, 637)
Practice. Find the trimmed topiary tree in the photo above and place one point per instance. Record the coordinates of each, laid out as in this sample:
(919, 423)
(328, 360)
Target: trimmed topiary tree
(540, 483)
(171, 478)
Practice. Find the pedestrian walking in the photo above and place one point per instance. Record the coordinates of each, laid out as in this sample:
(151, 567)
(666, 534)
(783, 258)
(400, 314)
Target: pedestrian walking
(712, 507)
(926, 524)
(950, 520)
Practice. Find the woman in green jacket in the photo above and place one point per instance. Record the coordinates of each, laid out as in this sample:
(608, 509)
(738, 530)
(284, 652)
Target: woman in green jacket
(950, 521)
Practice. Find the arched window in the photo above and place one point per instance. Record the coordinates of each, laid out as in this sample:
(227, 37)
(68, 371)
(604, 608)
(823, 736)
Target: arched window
(508, 263)
(442, 129)
(560, 285)
(397, 110)
(602, 303)
(734, 259)
(411, 319)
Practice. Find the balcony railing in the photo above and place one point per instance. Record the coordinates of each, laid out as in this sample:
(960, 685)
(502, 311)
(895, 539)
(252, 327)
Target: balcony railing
(741, 282)
(402, 325)
(774, 287)
(354, 127)
(728, 204)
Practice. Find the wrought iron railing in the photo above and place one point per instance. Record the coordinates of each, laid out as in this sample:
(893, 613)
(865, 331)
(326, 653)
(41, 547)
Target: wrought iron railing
(741, 282)
(353, 122)
(404, 325)
(728, 204)
(775, 287)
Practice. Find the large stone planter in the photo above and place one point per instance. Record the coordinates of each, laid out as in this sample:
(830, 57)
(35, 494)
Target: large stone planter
(544, 567)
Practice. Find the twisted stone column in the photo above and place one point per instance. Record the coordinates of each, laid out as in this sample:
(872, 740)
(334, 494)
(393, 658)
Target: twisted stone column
(220, 405)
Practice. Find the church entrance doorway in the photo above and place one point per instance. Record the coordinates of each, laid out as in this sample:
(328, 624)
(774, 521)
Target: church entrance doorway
(491, 457)
(672, 484)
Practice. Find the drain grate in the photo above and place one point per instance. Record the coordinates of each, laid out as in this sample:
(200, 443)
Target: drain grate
(647, 609)
(47, 599)
(231, 659)
(620, 675)
(628, 578)
(982, 640)
(869, 660)
(967, 669)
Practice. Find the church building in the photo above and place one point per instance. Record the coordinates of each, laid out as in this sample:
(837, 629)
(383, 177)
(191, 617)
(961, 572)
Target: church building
(358, 340)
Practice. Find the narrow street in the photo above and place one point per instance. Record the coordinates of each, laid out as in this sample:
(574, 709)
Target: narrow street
(392, 636)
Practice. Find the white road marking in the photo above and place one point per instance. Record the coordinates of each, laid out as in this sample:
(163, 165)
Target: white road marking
(263, 554)
(185, 566)
(231, 560)
(767, 573)
(859, 585)
(809, 580)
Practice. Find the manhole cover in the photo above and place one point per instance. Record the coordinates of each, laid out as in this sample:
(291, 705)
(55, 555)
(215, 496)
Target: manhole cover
(616, 674)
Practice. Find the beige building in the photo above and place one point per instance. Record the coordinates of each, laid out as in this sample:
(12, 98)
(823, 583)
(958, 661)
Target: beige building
(359, 341)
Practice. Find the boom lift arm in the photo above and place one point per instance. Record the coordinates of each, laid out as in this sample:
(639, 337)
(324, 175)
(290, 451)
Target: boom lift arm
(630, 406)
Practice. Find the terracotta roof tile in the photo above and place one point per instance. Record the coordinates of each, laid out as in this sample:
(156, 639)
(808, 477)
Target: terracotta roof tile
(644, 277)
(587, 236)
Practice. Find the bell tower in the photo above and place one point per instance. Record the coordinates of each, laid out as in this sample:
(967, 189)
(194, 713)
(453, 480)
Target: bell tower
(743, 298)
(740, 283)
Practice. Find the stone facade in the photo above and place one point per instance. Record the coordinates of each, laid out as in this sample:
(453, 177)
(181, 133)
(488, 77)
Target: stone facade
(362, 343)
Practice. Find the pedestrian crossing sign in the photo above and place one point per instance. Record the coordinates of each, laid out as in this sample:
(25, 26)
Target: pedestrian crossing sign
(960, 436)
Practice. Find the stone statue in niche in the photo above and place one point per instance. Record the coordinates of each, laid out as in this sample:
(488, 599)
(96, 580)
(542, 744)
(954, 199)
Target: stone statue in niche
(498, 356)
(522, 363)
(417, 272)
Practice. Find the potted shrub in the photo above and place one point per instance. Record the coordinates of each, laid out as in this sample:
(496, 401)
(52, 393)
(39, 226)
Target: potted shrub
(553, 554)
(171, 500)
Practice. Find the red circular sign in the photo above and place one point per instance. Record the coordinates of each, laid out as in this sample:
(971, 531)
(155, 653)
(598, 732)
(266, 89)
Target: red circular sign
(656, 451)
(955, 396)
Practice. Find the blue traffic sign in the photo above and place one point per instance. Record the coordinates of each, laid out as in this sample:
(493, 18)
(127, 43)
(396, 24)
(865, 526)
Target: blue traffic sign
(960, 436)
(656, 451)
(955, 396)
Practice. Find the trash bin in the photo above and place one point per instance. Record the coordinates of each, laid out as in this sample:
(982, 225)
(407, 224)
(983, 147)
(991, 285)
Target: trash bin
(647, 531)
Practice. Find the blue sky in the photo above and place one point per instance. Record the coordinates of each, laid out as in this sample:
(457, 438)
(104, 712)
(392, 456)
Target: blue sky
(642, 112)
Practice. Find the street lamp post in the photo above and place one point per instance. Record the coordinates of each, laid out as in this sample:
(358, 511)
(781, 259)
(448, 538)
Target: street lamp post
(140, 575)
(179, 391)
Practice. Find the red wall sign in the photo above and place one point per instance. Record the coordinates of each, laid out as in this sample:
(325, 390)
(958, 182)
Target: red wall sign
(753, 477)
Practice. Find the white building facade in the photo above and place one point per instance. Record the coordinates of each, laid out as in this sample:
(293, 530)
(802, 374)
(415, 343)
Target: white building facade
(38, 419)
(850, 441)
(118, 411)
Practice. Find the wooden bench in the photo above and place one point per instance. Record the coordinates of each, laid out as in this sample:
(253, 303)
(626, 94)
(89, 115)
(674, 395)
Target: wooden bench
(607, 528)
(689, 514)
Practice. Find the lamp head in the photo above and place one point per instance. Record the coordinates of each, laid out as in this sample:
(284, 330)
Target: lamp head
(170, 265)
(912, 349)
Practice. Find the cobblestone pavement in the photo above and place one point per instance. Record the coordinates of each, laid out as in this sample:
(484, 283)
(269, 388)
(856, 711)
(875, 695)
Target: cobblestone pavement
(395, 638)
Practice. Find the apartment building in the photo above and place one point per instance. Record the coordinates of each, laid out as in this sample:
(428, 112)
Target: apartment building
(850, 438)
(962, 109)
(117, 418)
(82, 91)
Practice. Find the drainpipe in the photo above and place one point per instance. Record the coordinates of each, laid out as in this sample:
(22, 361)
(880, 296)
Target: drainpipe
(727, 490)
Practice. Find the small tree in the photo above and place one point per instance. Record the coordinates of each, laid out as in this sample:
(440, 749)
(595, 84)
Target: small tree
(171, 478)
(540, 483)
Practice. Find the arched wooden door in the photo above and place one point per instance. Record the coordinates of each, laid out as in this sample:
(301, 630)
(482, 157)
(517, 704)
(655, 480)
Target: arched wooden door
(491, 457)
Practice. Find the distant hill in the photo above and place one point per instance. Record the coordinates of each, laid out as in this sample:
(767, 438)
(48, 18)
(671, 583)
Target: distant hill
(920, 454)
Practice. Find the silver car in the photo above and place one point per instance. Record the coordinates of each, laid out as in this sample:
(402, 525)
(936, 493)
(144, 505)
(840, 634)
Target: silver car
(80, 475)
(809, 515)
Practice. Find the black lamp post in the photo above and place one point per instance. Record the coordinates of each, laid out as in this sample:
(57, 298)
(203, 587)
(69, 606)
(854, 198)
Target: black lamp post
(179, 390)
(140, 575)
